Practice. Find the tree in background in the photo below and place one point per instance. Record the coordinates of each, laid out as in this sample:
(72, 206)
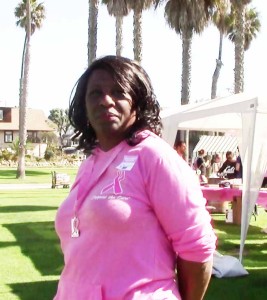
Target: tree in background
(52, 142)
(119, 9)
(251, 26)
(50, 138)
(30, 15)
(92, 30)
(226, 24)
(187, 17)
(61, 119)
(138, 6)
(239, 8)
(222, 20)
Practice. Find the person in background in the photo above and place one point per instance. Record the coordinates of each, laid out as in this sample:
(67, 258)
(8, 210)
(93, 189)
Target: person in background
(227, 169)
(238, 167)
(216, 164)
(207, 160)
(135, 211)
(200, 166)
(180, 147)
(239, 175)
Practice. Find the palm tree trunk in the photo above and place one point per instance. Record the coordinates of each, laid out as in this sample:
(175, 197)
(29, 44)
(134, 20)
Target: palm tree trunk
(217, 70)
(186, 66)
(119, 23)
(92, 30)
(24, 98)
(137, 24)
(239, 47)
(22, 67)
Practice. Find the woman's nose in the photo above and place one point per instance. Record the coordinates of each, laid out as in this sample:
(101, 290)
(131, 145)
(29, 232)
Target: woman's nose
(107, 100)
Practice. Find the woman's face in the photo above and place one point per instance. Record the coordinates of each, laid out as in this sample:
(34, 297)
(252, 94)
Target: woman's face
(108, 107)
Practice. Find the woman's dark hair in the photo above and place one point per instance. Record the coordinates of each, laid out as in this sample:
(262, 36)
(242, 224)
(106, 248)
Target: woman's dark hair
(201, 152)
(133, 79)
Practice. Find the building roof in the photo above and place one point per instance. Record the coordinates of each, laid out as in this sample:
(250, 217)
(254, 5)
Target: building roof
(36, 121)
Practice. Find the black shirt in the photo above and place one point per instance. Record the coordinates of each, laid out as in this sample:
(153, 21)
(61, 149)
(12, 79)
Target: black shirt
(228, 168)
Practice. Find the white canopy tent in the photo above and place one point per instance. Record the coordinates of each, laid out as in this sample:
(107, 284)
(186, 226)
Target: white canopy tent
(241, 115)
(215, 144)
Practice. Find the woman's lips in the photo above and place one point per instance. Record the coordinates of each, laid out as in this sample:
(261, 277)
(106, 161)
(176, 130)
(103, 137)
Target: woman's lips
(108, 116)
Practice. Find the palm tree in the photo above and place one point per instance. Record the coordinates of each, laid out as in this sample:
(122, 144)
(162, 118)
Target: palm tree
(118, 9)
(252, 27)
(222, 20)
(187, 17)
(30, 15)
(239, 8)
(92, 30)
(226, 26)
(138, 6)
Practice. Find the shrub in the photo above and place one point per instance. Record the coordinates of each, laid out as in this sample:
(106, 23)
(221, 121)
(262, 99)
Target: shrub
(49, 154)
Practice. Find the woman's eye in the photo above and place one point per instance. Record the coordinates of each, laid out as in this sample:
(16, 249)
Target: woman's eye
(95, 93)
(118, 94)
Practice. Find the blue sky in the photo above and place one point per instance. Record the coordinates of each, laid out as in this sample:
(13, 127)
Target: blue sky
(59, 55)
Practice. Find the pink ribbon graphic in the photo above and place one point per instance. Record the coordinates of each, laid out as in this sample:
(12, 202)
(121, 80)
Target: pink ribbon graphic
(115, 185)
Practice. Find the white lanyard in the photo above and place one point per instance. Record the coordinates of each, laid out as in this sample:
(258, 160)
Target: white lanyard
(86, 181)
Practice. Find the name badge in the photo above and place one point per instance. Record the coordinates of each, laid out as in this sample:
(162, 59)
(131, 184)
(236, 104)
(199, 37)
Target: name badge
(127, 163)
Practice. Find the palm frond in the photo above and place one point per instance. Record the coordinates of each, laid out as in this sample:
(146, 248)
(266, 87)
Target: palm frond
(37, 15)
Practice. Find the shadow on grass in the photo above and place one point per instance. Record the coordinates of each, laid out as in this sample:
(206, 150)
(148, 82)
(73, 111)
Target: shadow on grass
(23, 208)
(254, 260)
(39, 242)
(42, 290)
(252, 286)
(11, 173)
(255, 243)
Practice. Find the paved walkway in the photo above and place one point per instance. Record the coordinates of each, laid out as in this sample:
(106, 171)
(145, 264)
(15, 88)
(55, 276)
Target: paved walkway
(25, 186)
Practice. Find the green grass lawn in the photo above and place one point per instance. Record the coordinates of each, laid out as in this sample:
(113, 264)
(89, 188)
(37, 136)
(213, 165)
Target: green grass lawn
(34, 175)
(252, 286)
(31, 259)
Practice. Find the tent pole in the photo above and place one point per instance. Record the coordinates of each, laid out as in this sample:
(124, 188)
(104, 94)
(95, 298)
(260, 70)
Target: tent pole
(246, 193)
(187, 145)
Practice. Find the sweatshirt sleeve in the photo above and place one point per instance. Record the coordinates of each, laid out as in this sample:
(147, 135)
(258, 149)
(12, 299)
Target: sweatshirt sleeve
(222, 168)
(177, 200)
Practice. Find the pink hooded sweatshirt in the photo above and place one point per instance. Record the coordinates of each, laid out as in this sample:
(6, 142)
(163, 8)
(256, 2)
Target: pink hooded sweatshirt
(137, 208)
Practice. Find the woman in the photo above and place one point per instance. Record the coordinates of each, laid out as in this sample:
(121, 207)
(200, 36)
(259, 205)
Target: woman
(216, 164)
(135, 210)
(201, 167)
